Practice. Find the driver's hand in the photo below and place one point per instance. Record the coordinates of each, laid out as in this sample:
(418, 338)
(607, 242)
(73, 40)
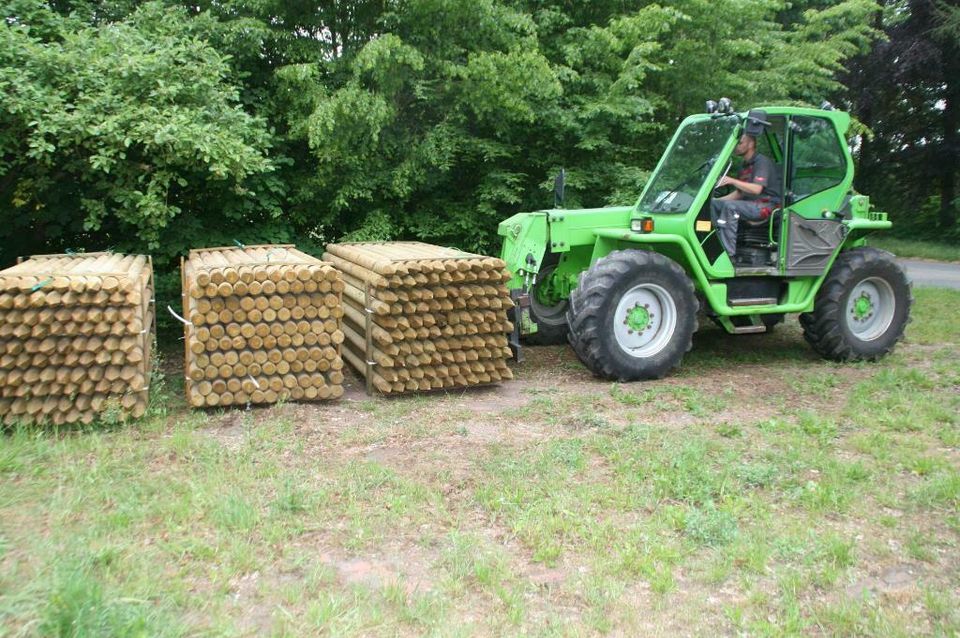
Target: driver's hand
(726, 180)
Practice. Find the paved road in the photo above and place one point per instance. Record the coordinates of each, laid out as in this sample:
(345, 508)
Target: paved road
(932, 273)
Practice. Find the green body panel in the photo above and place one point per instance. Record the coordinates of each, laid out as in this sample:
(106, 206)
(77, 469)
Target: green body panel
(524, 238)
(577, 238)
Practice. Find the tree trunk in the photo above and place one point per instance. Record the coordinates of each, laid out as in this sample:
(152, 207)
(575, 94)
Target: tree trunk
(951, 144)
(866, 83)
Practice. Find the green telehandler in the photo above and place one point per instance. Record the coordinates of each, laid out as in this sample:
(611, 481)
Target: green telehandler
(624, 284)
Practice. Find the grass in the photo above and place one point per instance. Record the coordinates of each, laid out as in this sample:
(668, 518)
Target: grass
(911, 248)
(710, 526)
(759, 491)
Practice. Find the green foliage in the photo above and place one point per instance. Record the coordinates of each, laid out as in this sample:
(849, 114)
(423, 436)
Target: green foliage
(906, 91)
(117, 129)
(164, 126)
(420, 122)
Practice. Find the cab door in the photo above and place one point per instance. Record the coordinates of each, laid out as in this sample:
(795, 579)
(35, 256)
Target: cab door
(816, 171)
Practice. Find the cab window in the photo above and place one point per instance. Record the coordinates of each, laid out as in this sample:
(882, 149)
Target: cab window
(817, 160)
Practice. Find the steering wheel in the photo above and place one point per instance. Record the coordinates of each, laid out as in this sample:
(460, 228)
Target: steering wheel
(717, 186)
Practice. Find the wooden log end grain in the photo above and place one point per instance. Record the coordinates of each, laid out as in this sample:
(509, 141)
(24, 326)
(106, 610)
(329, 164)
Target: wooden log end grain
(253, 345)
(85, 333)
(436, 306)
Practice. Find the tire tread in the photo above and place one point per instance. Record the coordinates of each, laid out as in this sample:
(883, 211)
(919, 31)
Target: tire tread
(584, 315)
(822, 328)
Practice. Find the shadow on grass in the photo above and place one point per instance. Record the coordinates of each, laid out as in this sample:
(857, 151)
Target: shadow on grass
(713, 347)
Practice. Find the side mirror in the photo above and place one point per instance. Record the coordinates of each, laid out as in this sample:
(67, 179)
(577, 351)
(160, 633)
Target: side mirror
(559, 184)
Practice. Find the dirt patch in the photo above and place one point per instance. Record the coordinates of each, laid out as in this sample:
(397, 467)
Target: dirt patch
(494, 400)
(892, 579)
(229, 428)
(393, 563)
(453, 457)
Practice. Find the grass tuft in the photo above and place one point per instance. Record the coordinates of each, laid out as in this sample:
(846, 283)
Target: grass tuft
(710, 526)
(77, 605)
(234, 513)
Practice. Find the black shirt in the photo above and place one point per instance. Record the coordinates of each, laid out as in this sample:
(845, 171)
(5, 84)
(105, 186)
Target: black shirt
(762, 170)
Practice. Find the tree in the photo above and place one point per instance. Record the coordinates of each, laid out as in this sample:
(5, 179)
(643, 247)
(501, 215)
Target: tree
(418, 132)
(907, 91)
(458, 113)
(261, 120)
(110, 132)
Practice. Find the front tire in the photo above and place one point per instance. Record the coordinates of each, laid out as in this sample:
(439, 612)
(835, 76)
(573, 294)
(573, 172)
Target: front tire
(633, 315)
(862, 308)
(551, 320)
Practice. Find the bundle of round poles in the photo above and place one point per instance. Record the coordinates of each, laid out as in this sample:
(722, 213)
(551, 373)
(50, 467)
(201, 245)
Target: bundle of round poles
(262, 323)
(423, 317)
(76, 333)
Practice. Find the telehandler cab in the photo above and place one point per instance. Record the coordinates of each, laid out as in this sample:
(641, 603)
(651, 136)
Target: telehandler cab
(624, 284)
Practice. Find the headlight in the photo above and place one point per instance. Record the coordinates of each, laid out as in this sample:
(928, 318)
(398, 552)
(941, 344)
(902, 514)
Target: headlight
(642, 225)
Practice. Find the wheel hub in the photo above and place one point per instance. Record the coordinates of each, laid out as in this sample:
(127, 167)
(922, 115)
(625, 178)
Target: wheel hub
(862, 307)
(645, 320)
(870, 308)
(638, 317)
(547, 301)
(545, 292)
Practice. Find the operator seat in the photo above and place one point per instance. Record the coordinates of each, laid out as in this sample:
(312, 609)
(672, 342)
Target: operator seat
(754, 247)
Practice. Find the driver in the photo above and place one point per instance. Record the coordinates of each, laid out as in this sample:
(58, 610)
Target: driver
(756, 192)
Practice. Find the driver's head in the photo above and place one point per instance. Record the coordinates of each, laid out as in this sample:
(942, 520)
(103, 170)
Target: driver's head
(746, 146)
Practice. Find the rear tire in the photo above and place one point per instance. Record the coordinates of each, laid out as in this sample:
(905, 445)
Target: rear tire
(632, 316)
(551, 321)
(862, 308)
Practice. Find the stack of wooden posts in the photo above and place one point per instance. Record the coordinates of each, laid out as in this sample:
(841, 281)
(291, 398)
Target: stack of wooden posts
(263, 324)
(423, 317)
(75, 337)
